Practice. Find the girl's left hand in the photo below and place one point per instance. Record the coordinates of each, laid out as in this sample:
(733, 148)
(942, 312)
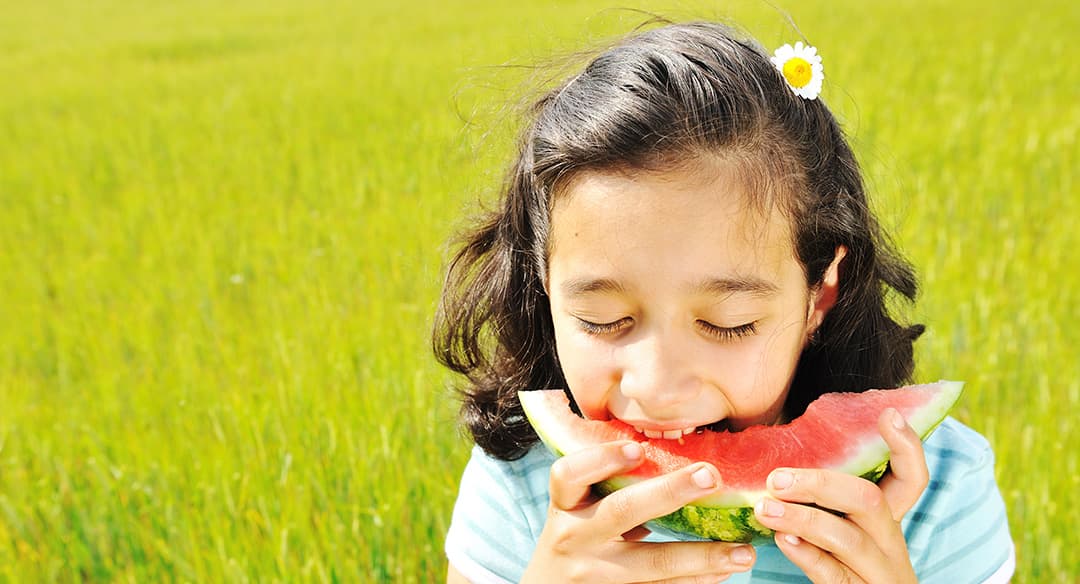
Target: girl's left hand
(865, 543)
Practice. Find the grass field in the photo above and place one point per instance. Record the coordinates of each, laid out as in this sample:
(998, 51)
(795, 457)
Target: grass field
(223, 227)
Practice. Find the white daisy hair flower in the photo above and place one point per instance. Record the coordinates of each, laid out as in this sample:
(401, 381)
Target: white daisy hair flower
(801, 67)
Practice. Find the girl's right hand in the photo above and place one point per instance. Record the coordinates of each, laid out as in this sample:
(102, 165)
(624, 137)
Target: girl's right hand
(587, 539)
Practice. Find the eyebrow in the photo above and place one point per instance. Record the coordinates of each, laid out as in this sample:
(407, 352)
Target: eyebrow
(715, 286)
(583, 286)
(745, 284)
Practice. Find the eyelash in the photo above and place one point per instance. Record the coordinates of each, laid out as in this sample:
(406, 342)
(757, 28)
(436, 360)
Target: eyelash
(717, 332)
(595, 328)
(728, 334)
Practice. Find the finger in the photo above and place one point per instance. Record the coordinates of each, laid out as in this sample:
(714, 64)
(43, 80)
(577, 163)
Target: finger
(860, 500)
(573, 475)
(837, 536)
(700, 579)
(631, 506)
(672, 562)
(818, 565)
(908, 476)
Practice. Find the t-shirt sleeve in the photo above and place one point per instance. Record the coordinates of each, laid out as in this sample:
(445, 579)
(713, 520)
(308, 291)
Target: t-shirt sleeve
(498, 517)
(958, 531)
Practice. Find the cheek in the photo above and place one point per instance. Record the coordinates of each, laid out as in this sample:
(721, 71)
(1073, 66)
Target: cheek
(757, 376)
(750, 380)
(588, 371)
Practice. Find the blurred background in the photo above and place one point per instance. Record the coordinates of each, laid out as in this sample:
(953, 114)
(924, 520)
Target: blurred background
(223, 228)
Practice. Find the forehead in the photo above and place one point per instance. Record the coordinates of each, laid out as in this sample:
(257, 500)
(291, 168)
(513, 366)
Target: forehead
(681, 231)
(701, 213)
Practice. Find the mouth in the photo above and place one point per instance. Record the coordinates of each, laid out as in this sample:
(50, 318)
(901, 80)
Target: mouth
(666, 434)
(677, 434)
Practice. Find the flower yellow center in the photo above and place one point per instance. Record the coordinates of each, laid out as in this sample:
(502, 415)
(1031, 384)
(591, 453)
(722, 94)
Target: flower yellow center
(797, 71)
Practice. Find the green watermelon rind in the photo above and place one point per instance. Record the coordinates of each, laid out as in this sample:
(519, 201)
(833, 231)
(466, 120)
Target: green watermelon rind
(730, 517)
(731, 524)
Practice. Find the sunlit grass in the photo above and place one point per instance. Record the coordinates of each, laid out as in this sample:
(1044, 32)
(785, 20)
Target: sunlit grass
(223, 231)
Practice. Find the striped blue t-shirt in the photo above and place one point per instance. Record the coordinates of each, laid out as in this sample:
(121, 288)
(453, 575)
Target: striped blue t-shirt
(956, 533)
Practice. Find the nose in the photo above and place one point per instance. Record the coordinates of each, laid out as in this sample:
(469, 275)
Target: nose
(657, 374)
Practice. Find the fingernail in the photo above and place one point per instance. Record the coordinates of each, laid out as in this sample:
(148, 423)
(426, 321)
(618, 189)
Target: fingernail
(742, 555)
(632, 451)
(770, 508)
(792, 539)
(898, 421)
(704, 478)
(781, 479)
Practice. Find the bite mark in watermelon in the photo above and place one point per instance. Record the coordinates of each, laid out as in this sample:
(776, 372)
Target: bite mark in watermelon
(838, 431)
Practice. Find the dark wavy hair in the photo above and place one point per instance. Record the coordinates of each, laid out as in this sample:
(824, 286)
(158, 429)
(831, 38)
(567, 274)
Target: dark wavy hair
(658, 97)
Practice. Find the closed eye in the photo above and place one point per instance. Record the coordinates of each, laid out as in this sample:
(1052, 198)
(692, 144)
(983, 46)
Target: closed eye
(721, 333)
(604, 328)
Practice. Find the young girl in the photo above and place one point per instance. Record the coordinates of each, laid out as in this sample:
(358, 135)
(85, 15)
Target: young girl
(684, 242)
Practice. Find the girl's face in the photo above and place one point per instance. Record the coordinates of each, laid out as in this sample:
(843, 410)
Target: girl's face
(675, 304)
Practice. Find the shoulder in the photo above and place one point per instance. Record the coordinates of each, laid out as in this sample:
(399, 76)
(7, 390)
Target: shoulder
(537, 460)
(958, 531)
(523, 481)
(955, 445)
(499, 514)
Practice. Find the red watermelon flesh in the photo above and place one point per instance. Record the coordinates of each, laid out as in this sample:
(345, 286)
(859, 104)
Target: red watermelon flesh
(838, 431)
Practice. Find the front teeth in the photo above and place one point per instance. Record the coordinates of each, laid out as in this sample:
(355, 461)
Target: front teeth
(666, 434)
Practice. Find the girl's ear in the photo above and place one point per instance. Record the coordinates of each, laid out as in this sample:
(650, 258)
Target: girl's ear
(823, 296)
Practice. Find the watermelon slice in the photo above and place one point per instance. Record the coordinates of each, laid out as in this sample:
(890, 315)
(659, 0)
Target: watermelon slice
(838, 432)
